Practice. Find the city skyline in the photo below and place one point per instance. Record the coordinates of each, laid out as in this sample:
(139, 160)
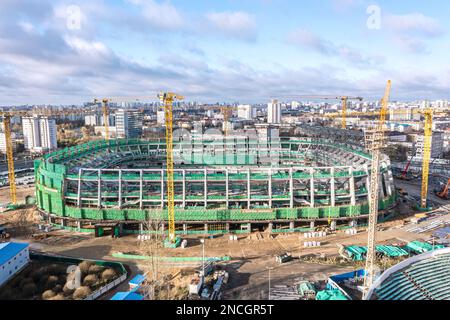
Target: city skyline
(248, 51)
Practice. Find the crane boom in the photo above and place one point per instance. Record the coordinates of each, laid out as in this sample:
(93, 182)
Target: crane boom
(374, 192)
(167, 99)
(344, 100)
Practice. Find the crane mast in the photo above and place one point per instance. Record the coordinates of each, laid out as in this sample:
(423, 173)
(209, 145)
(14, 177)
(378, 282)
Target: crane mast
(167, 99)
(344, 112)
(105, 118)
(10, 158)
(428, 134)
(374, 192)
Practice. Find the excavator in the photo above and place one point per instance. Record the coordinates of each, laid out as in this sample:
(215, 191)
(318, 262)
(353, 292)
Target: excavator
(444, 193)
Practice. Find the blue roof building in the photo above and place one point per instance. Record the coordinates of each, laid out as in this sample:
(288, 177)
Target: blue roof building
(127, 296)
(13, 258)
(136, 281)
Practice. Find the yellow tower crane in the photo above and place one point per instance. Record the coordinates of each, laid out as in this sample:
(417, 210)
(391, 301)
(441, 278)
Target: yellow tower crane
(168, 98)
(428, 134)
(226, 112)
(428, 115)
(10, 157)
(344, 100)
(105, 112)
(378, 142)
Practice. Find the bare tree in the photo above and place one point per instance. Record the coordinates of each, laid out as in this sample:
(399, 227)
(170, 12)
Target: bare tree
(152, 248)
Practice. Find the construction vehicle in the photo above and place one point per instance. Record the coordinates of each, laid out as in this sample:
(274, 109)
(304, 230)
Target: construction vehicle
(378, 142)
(444, 193)
(405, 171)
(283, 258)
(4, 236)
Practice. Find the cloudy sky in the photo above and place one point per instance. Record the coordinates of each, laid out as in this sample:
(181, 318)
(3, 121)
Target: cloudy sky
(64, 52)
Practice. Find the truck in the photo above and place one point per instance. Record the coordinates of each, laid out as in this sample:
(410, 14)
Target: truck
(283, 258)
(4, 236)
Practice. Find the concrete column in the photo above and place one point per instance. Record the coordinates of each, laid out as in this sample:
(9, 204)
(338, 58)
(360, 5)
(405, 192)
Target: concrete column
(141, 228)
(333, 187)
(311, 172)
(312, 225)
(270, 227)
(333, 225)
(120, 188)
(353, 223)
(206, 228)
(291, 225)
(79, 188)
(185, 228)
(63, 223)
(184, 188)
(79, 225)
(291, 188)
(227, 189)
(205, 187)
(162, 189)
(141, 189)
(248, 189)
(270, 187)
(99, 191)
(352, 187)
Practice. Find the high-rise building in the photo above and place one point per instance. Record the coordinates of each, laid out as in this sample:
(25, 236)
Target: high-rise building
(274, 112)
(246, 111)
(128, 123)
(39, 133)
(98, 120)
(437, 145)
(161, 117)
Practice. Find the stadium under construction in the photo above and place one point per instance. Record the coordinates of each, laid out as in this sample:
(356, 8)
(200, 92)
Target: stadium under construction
(285, 185)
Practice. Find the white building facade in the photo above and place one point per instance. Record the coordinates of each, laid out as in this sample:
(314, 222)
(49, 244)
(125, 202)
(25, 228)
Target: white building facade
(246, 111)
(274, 112)
(39, 133)
(129, 123)
(13, 258)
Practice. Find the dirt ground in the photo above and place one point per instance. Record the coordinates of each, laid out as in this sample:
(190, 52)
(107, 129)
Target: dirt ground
(21, 193)
(251, 256)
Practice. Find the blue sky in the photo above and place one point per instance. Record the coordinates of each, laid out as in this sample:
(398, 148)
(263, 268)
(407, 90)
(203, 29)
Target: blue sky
(221, 50)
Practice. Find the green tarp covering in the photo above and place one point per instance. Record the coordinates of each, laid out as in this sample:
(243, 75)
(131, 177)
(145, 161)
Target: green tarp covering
(330, 295)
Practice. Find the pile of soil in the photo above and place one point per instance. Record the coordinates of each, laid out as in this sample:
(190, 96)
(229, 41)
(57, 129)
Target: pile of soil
(53, 281)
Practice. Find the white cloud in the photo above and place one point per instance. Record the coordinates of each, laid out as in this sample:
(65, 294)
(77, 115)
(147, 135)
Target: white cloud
(307, 39)
(414, 23)
(161, 15)
(235, 24)
(311, 40)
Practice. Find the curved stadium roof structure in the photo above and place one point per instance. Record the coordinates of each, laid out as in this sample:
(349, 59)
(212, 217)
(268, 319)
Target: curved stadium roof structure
(421, 277)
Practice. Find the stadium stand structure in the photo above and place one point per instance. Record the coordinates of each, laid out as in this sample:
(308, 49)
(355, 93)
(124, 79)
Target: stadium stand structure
(236, 184)
(422, 277)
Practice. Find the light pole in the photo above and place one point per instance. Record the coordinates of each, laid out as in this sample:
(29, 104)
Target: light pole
(203, 259)
(269, 280)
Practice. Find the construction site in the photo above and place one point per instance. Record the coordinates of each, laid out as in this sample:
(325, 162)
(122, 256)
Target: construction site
(312, 214)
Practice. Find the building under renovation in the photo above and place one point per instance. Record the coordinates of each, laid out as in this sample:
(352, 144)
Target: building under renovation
(236, 184)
